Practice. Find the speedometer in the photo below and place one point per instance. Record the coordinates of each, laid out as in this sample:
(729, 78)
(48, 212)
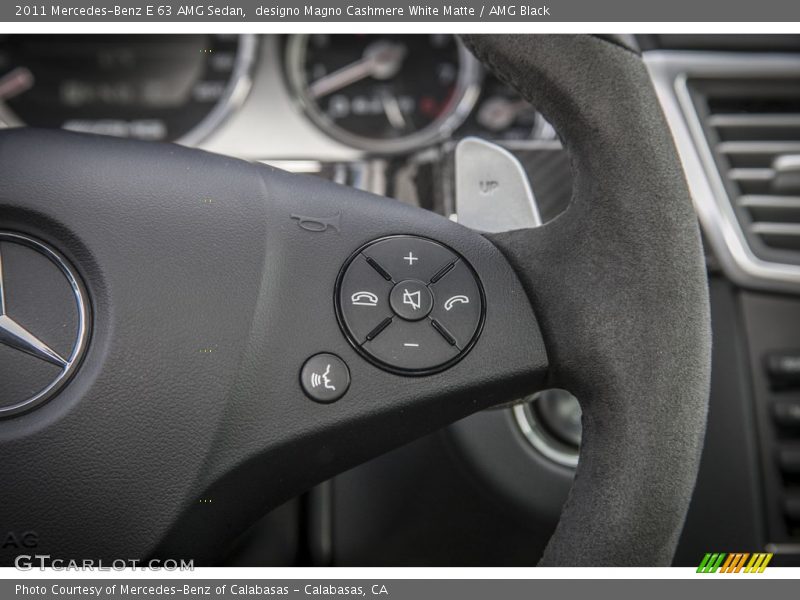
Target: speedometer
(384, 93)
(149, 87)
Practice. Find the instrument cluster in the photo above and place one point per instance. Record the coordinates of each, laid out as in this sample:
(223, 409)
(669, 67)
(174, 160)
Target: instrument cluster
(380, 94)
(391, 93)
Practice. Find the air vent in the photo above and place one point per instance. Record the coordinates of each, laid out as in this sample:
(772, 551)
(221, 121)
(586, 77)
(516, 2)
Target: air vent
(753, 129)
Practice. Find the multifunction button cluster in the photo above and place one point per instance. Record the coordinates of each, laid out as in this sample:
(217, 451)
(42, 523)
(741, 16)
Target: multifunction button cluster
(410, 304)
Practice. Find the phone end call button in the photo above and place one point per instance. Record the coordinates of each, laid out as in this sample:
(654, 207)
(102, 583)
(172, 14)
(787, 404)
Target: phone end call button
(457, 303)
(363, 298)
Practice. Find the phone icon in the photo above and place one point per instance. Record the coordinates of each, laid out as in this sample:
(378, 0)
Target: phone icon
(460, 299)
(364, 299)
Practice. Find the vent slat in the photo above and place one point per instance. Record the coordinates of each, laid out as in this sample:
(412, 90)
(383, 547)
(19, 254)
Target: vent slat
(787, 229)
(750, 120)
(781, 209)
(759, 147)
(782, 236)
(757, 153)
(757, 175)
(769, 201)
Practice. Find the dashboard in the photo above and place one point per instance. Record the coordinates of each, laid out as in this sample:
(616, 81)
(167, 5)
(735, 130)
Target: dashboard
(262, 97)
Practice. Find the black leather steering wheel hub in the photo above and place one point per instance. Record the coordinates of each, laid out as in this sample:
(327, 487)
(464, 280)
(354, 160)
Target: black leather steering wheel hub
(211, 278)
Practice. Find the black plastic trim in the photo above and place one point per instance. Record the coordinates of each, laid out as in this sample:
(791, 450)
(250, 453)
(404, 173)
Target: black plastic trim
(391, 368)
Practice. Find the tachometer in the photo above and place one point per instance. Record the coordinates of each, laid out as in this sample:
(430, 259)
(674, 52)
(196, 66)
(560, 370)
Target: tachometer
(149, 87)
(384, 93)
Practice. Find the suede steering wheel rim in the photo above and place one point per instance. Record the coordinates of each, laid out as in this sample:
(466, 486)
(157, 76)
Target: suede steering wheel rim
(620, 288)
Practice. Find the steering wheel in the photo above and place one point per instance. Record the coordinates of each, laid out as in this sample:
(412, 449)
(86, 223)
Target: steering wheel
(215, 358)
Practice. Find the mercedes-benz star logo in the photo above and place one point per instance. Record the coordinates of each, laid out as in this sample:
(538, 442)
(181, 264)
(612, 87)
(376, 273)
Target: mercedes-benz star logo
(14, 334)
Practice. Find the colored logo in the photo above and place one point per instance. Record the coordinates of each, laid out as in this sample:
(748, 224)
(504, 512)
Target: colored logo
(736, 562)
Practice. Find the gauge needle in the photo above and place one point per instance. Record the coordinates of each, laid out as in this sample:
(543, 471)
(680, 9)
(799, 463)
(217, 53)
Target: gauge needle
(15, 82)
(392, 109)
(381, 60)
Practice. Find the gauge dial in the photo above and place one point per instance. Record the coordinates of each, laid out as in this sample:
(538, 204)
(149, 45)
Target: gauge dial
(384, 93)
(150, 87)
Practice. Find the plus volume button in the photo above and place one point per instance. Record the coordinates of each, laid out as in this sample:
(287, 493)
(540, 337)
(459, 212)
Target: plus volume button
(407, 257)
